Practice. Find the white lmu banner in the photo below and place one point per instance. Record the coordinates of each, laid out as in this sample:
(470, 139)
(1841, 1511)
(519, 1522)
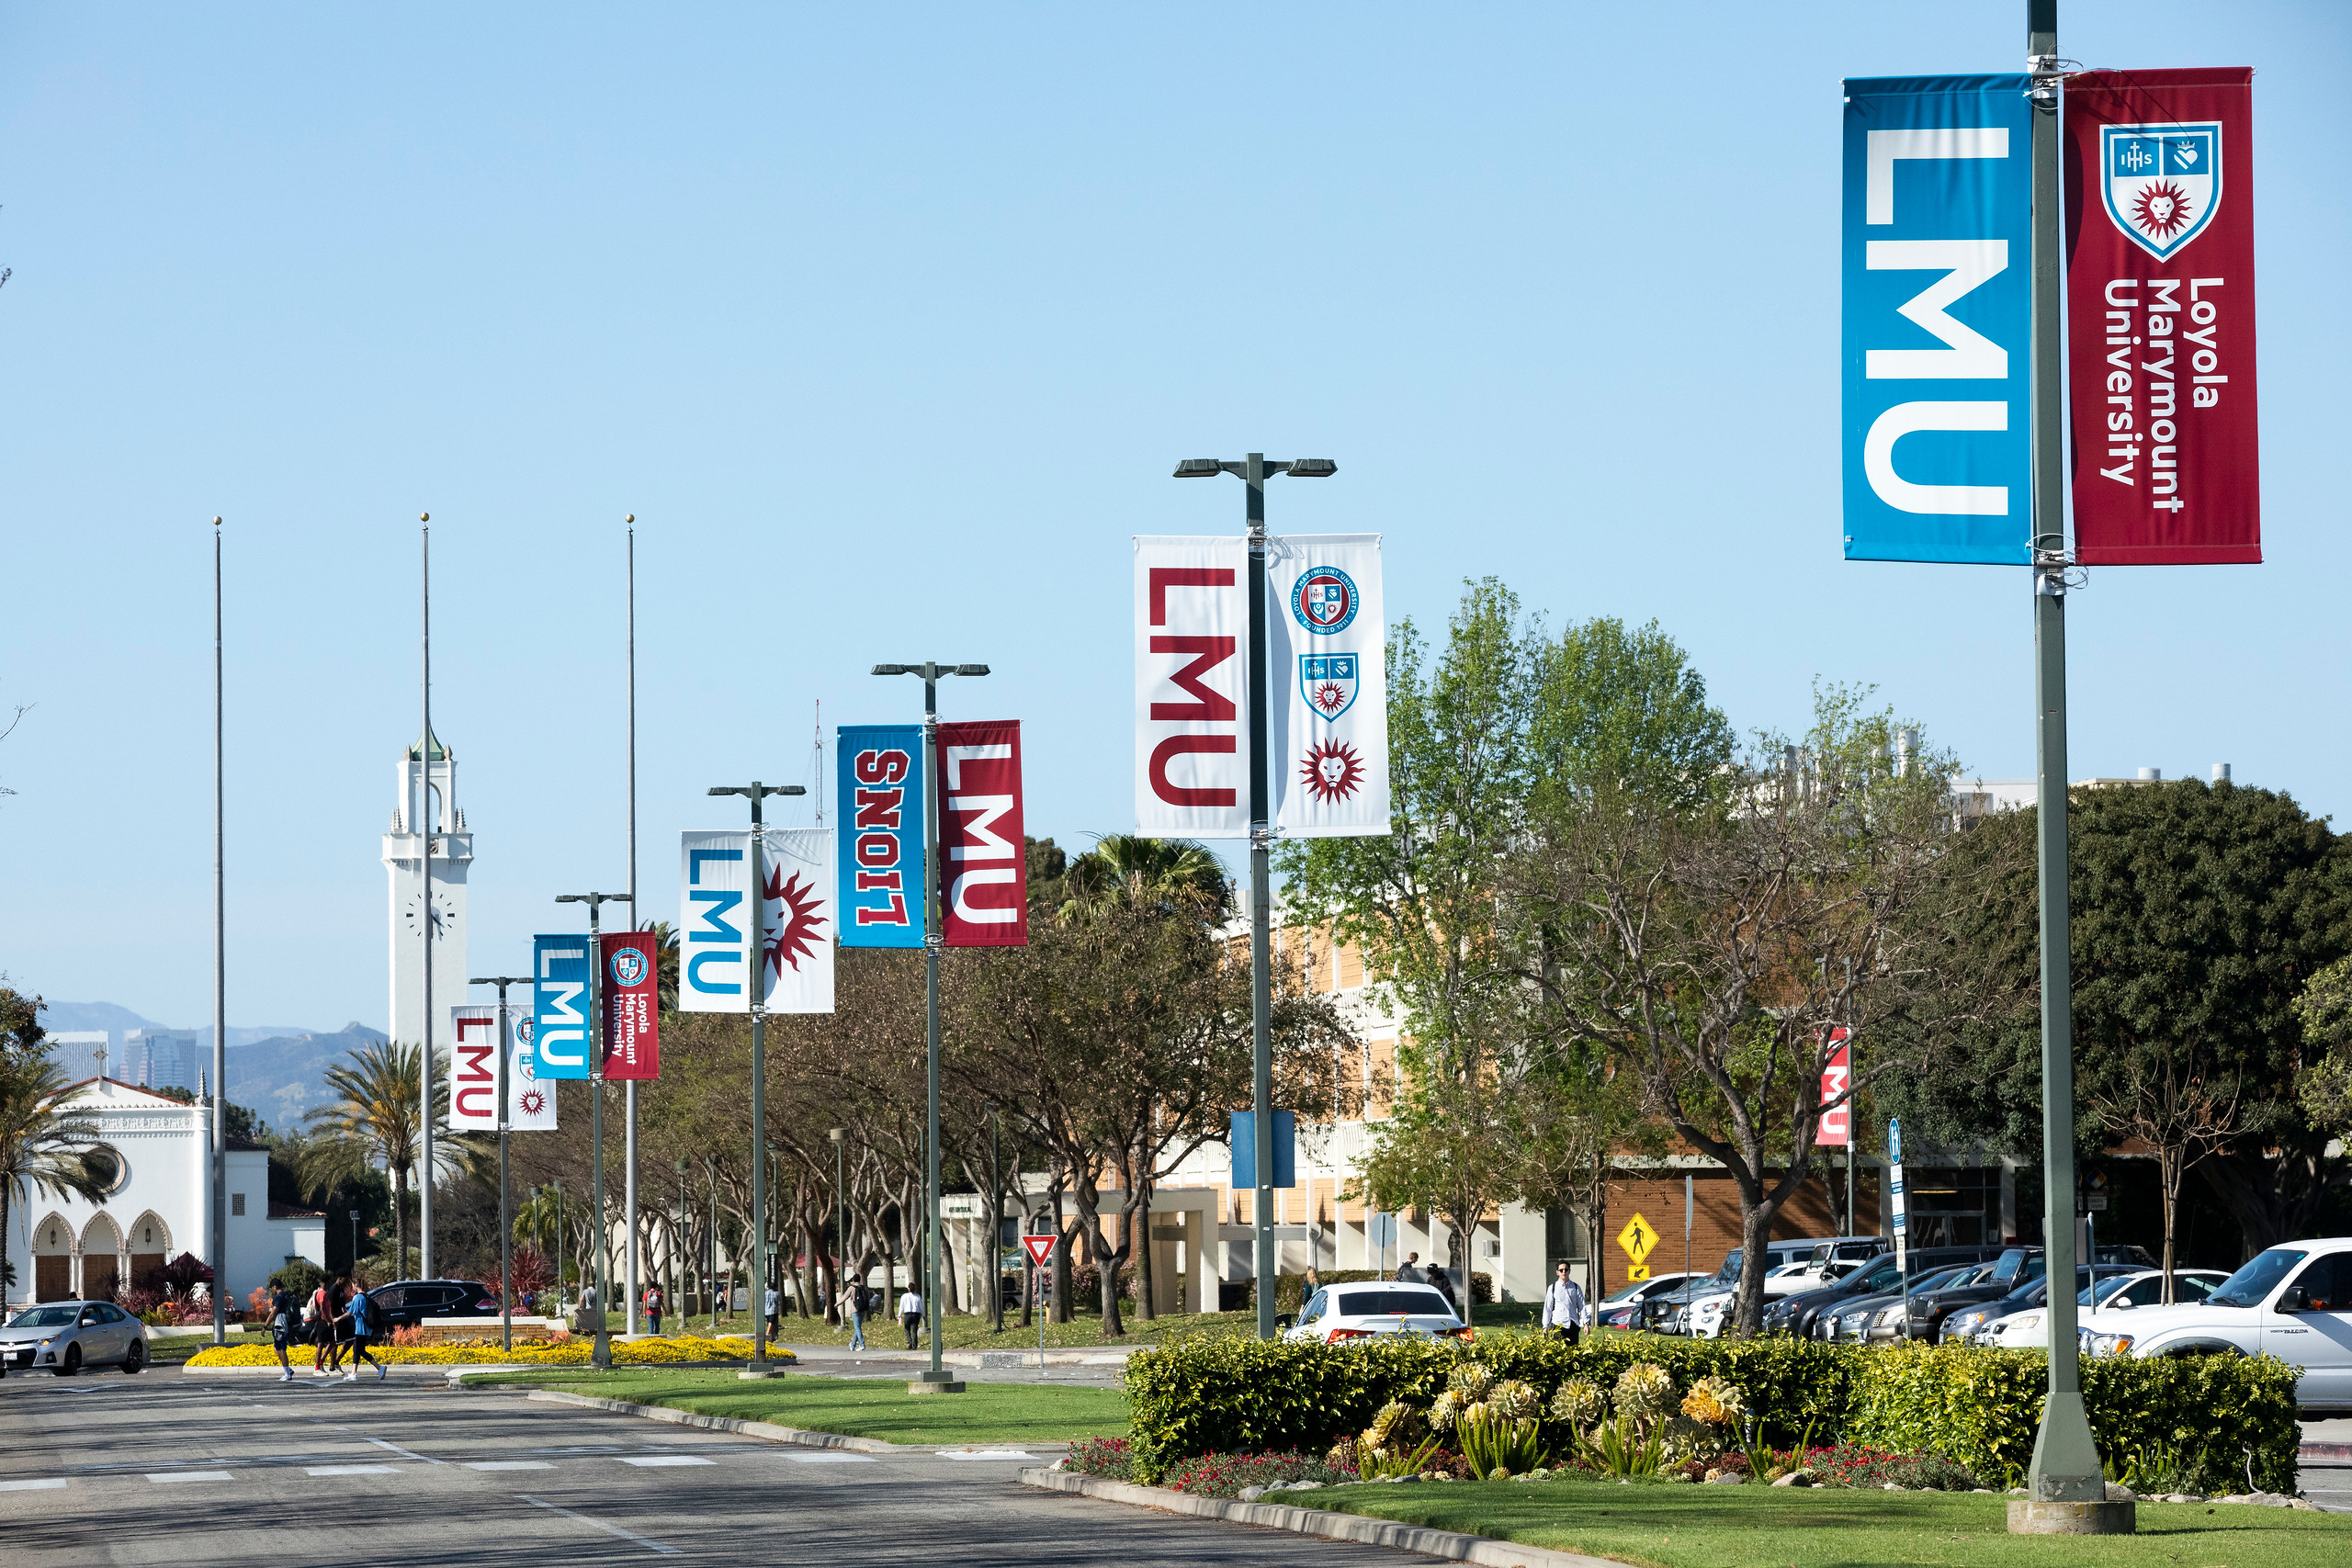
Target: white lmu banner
(1326, 685)
(1192, 686)
(716, 925)
(473, 1074)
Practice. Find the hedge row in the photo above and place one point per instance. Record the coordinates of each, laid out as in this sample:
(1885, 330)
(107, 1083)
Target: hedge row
(1980, 1407)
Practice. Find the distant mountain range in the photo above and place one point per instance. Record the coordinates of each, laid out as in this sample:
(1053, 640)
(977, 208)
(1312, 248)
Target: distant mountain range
(279, 1072)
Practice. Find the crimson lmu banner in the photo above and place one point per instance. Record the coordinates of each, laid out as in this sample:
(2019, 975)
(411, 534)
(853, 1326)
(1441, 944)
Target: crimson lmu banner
(2160, 301)
(632, 1004)
(983, 889)
(1191, 688)
(473, 1069)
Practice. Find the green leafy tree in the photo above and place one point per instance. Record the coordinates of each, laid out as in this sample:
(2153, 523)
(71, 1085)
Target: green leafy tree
(373, 1121)
(2323, 1087)
(46, 1141)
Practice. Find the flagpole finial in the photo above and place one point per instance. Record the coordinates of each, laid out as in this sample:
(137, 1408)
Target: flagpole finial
(631, 518)
(216, 522)
(425, 517)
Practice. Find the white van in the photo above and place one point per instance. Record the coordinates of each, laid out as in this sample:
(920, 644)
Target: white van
(2291, 1302)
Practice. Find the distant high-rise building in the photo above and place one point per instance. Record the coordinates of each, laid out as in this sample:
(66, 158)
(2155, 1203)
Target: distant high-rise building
(158, 1058)
(83, 1052)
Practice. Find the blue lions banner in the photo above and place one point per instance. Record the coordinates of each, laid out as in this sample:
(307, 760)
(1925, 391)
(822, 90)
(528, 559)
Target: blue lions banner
(881, 841)
(1936, 265)
(560, 975)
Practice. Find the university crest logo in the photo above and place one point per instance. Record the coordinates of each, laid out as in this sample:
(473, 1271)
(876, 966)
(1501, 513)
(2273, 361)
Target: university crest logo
(2162, 182)
(1324, 600)
(628, 966)
(1328, 681)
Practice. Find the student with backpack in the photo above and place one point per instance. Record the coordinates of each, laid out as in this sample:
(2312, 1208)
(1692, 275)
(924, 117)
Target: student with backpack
(652, 1304)
(319, 1316)
(283, 1316)
(853, 1304)
(362, 1320)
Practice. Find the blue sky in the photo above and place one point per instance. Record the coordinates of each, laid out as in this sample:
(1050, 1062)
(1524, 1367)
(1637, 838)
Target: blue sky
(889, 323)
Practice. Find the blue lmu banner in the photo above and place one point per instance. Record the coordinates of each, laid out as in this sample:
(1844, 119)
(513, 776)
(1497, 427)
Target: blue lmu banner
(559, 978)
(1937, 268)
(881, 835)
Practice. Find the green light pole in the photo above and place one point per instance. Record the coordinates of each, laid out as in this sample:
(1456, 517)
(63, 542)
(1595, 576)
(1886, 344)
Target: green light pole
(757, 792)
(1254, 471)
(595, 902)
(935, 1380)
(2065, 1469)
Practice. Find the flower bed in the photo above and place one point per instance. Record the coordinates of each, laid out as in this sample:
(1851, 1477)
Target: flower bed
(564, 1352)
(1225, 1475)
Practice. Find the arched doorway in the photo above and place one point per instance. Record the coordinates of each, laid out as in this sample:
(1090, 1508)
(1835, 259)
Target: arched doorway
(53, 1260)
(150, 1245)
(101, 1259)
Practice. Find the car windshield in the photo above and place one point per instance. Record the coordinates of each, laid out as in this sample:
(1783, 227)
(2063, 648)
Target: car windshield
(2251, 1284)
(1378, 1304)
(43, 1317)
(1626, 1292)
(1726, 1275)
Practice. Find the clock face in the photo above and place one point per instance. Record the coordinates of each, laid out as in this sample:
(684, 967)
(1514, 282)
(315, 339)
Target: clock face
(443, 912)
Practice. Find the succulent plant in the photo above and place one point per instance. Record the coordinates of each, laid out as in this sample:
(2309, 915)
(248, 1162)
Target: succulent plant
(1580, 1403)
(1513, 1398)
(1470, 1380)
(1645, 1392)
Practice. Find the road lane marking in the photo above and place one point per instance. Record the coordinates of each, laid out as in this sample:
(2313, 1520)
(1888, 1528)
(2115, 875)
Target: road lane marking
(601, 1525)
(984, 1454)
(354, 1469)
(47, 1484)
(166, 1476)
(831, 1459)
(663, 1459)
(509, 1465)
(401, 1452)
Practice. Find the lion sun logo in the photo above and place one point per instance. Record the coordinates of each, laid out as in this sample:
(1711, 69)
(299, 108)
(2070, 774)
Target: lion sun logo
(2161, 209)
(1332, 771)
(1330, 697)
(791, 933)
(534, 1101)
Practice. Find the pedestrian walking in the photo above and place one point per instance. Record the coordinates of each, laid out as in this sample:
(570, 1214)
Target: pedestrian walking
(1564, 1308)
(285, 1312)
(775, 1327)
(910, 1316)
(652, 1304)
(361, 1317)
(591, 1315)
(853, 1304)
(1409, 1271)
(320, 1317)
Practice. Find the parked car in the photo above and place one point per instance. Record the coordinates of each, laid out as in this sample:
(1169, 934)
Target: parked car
(1800, 1314)
(1621, 1308)
(2103, 1302)
(2292, 1301)
(1376, 1309)
(66, 1337)
(405, 1303)
(1975, 1325)
(1861, 1320)
(1986, 1283)
(1670, 1311)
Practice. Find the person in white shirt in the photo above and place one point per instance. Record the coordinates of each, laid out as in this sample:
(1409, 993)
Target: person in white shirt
(775, 1327)
(910, 1316)
(1563, 1306)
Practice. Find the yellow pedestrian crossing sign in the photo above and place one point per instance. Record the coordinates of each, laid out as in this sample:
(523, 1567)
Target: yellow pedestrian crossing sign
(1637, 1238)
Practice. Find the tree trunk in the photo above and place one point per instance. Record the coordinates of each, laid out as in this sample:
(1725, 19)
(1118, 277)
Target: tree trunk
(399, 1221)
(1063, 1286)
(1144, 1307)
(2169, 1165)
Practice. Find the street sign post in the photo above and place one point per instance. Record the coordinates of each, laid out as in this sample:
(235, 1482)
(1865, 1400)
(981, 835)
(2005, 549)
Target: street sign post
(1041, 1252)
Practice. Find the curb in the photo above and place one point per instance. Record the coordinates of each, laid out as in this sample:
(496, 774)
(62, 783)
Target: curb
(771, 1432)
(1447, 1544)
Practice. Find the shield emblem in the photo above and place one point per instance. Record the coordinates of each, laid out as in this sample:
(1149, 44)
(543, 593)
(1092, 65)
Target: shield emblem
(1328, 681)
(2162, 182)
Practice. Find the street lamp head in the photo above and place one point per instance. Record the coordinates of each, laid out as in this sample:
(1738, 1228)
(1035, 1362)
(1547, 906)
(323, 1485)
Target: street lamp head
(891, 669)
(971, 670)
(1312, 468)
(1199, 468)
(835, 1133)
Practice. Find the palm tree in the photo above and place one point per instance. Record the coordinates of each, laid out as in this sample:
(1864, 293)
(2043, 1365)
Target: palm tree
(373, 1121)
(45, 1143)
(1176, 876)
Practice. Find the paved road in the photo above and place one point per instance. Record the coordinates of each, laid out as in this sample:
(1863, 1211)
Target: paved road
(176, 1469)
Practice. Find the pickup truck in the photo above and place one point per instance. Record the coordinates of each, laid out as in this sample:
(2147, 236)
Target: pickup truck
(2292, 1301)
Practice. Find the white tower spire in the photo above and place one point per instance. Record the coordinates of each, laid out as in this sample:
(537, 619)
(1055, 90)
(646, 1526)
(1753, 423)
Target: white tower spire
(426, 797)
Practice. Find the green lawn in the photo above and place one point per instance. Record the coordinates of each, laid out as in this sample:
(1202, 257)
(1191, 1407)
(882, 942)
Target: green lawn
(986, 1413)
(1662, 1526)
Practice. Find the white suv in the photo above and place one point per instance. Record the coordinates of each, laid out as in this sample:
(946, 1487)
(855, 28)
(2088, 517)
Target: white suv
(2292, 1301)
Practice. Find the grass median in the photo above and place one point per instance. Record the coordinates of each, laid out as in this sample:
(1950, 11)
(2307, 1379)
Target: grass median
(1660, 1525)
(860, 1407)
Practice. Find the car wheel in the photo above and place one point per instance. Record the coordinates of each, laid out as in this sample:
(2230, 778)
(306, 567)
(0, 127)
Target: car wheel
(72, 1363)
(136, 1357)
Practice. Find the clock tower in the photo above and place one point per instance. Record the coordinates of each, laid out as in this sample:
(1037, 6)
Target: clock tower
(426, 820)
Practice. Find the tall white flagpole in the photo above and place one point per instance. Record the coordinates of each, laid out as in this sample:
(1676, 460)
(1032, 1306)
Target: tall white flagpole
(425, 923)
(219, 1239)
(628, 1176)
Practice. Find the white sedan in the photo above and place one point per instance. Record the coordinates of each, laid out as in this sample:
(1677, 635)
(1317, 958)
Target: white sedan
(1374, 1309)
(2029, 1330)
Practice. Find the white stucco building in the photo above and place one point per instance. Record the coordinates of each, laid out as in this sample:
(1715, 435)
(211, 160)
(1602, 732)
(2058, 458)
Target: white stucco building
(158, 1206)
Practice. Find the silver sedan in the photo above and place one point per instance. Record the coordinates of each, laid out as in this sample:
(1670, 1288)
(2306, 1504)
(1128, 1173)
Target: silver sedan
(66, 1337)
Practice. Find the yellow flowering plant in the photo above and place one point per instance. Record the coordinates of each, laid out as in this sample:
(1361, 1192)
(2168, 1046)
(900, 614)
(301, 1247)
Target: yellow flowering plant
(568, 1352)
